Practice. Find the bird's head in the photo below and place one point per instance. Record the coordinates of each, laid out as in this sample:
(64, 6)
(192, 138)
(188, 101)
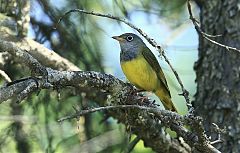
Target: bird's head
(129, 42)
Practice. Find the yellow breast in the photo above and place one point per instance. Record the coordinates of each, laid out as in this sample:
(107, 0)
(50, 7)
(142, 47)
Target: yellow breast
(140, 73)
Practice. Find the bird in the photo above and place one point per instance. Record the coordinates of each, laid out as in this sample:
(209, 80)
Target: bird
(142, 69)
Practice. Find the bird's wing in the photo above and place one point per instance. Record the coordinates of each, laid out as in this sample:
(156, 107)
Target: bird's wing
(151, 59)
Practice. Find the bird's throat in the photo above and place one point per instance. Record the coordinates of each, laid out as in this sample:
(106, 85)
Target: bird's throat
(128, 55)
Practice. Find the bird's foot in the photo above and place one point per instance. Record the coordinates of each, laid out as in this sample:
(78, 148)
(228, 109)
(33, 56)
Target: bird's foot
(143, 99)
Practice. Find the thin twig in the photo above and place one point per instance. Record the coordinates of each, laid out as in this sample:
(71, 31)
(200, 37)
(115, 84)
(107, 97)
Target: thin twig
(205, 35)
(92, 110)
(140, 31)
(219, 132)
(216, 141)
(5, 76)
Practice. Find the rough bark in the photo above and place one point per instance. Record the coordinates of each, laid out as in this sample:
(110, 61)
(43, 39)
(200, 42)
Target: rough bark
(218, 83)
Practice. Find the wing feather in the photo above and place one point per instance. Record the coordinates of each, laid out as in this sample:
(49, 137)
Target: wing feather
(151, 59)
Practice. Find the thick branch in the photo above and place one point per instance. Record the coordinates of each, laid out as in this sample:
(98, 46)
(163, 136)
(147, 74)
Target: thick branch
(15, 89)
(45, 56)
(16, 52)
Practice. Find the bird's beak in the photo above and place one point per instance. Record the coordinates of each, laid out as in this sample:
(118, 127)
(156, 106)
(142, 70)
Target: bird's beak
(120, 39)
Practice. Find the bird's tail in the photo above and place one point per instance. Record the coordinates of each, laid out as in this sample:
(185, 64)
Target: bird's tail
(166, 100)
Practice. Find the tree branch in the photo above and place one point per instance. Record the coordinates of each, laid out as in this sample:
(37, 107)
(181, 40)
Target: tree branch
(17, 90)
(45, 56)
(27, 59)
(5, 76)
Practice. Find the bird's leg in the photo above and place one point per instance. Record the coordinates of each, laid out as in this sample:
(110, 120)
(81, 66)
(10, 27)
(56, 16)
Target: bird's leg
(137, 92)
(143, 97)
(146, 97)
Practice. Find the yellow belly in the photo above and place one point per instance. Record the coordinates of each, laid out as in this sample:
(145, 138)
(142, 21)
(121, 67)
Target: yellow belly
(140, 73)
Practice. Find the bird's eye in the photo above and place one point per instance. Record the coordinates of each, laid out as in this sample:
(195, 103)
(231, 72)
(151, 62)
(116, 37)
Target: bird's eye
(129, 38)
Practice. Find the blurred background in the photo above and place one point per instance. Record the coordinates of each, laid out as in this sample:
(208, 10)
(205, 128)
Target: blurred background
(86, 41)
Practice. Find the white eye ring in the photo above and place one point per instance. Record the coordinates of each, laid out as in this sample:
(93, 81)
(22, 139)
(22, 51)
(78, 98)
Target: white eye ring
(129, 38)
